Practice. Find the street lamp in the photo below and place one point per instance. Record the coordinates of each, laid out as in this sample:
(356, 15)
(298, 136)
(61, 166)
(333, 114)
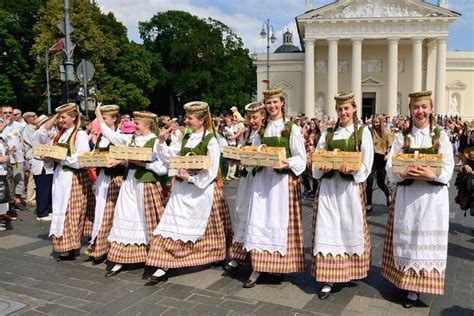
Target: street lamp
(46, 60)
(266, 34)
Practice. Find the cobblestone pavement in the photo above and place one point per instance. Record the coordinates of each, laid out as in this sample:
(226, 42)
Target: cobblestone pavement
(32, 283)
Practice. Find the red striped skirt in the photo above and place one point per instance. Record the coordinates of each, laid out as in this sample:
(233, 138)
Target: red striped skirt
(432, 282)
(154, 208)
(100, 246)
(341, 268)
(80, 200)
(167, 253)
(294, 260)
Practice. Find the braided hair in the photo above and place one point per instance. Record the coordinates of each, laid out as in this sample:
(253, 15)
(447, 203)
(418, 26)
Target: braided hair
(355, 121)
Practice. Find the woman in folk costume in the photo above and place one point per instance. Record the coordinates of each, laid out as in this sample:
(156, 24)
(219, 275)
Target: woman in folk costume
(195, 228)
(416, 240)
(274, 232)
(107, 189)
(341, 239)
(255, 115)
(140, 202)
(72, 193)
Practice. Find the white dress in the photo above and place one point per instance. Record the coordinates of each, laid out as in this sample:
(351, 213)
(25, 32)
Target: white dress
(340, 224)
(239, 216)
(62, 180)
(190, 203)
(129, 223)
(268, 218)
(421, 215)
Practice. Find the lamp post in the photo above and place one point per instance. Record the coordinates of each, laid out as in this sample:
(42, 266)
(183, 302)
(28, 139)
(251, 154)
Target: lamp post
(46, 60)
(266, 34)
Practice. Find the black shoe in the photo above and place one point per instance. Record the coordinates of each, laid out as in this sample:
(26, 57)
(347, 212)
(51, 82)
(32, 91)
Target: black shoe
(229, 268)
(408, 303)
(218, 263)
(96, 261)
(111, 273)
(70, 256)
(154, 280)
(249, 284)
(324, 295)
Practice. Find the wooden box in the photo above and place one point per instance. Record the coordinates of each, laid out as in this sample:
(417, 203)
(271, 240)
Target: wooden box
(336, 158)
(231, 152)
(401, 161)
(94, 159)
(190, 161)
(50, 151)
(130, 153)
(262, 156)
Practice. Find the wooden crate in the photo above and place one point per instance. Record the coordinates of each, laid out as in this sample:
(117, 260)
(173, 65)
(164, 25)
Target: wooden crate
(94, 159)
(190, 161)
(50, 151)
(262, 156)
(336, 158)
(401, 161)
(130, 153)
(231, 152)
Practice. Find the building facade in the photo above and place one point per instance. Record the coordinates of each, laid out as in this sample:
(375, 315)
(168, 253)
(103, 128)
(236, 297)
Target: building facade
(380, 49)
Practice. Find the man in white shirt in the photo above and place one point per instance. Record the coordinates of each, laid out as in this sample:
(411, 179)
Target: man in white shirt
(28, 132)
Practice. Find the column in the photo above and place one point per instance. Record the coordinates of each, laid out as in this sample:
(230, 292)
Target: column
(309, 77)
(392, 82)
(440, 86)
(416, 57)
(356, 79)
(332, 77)
(430, 65)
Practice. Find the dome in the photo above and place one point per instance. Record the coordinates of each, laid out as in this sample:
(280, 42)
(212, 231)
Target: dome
(287, 46)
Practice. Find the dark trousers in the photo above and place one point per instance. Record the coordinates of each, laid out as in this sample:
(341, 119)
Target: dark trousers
(44, 187)
(378, 169)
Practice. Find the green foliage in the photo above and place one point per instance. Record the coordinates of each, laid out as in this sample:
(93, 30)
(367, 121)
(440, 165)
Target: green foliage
(203, 59)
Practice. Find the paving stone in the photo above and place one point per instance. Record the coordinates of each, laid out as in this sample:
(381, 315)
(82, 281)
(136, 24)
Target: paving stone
(272, 310)
(31, 312)
(126, 300)
(201, 279)
(142, 308)
(238, 306)
(8, 306)
(55, 309)
(204, 309)
(176, 291)
(12, 241)
(71, 302)
(178, 304)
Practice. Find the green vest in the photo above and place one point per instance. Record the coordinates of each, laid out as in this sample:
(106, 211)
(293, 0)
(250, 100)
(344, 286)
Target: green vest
(344, 145)
(144, 175)
(279, 141)
(111, 172)
(67, 145)
(200, 149)
(428, 150)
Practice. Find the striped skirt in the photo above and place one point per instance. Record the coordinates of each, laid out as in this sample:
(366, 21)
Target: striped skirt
(80, 200)
(100, 246)
(432, 282)
(154, 208)
(341, 269)
(167, 253)
(294, 260)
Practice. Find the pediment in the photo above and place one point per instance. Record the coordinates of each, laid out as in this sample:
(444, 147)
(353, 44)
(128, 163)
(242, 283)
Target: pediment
(370, 81)
(374, 9)
(457, 85)
(283, 85)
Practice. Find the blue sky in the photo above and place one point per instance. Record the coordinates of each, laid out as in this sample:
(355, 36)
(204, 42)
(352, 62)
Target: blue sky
(245, 17)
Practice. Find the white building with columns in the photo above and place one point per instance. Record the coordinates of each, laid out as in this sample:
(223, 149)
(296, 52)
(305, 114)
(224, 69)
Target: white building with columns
(380, 49)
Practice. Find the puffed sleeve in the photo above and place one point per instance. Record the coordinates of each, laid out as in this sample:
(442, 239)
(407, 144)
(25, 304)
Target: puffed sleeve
(448, 161)
(297, 161)
(204, 177)
(80, 146)
(114, 137)
(367, 151)
(396, 149)
(157, 165)
(165, 151)
(317, 174)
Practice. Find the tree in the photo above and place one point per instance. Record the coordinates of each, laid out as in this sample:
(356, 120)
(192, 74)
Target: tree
(203, 59)
(122, 69)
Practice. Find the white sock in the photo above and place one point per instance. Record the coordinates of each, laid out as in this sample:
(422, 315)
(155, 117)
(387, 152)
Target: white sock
(327, 288)
(159, 272)
(233, 263)
(412, 296)
(116, 267)
(254, 276)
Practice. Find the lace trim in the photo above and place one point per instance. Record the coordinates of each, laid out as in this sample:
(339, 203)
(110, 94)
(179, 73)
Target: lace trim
(421, 247)
(404, 264)
(281, 250)
(420, 232)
